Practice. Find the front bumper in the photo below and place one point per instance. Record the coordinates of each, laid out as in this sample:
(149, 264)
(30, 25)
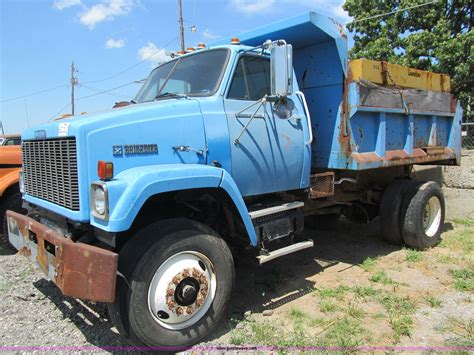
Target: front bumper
(79, 270)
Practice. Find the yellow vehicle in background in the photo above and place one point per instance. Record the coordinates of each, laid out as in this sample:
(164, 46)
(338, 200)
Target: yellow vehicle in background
(10, 196)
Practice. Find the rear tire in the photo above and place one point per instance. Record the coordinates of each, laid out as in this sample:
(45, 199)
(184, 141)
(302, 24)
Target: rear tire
(424, 218)
(392, 211)
(180, 275)
(13, 203)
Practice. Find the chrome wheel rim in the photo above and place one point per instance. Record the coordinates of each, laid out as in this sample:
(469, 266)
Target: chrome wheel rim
(182, 290)
(432, 216)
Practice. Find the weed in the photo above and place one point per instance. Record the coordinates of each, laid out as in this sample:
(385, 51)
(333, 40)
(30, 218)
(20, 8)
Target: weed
(433, 301)
(298, 317)
(237, 337)
(402, 325)
(345, 332)
(338, 292)
(326, 306)
(368, 264)
(364, 291)
(413, 255)
(463, 331)
(354, 311)
(463, 279)
(399, 310)
(381, 277)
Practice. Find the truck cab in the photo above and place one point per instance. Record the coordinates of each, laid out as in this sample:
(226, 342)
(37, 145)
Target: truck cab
(225, 150)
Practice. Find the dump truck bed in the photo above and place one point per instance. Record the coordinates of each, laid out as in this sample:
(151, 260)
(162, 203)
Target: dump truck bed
(365, 117)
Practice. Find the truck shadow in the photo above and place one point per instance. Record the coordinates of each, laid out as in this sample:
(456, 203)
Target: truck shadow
(90, 318)
(257, 288)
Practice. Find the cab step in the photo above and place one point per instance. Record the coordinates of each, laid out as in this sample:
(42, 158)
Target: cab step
(285, 251)
(276, 209)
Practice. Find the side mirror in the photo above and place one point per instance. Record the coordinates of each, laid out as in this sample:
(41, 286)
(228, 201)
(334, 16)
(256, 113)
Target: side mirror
(281, 63)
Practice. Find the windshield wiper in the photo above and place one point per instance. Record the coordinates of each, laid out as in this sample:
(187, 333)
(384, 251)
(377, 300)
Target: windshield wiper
(171, 94)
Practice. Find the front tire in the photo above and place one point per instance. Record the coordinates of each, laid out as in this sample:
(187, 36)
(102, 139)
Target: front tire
(180, 276)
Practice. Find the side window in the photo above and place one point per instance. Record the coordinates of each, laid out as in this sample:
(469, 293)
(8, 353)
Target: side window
(13, 141)
(251, 79)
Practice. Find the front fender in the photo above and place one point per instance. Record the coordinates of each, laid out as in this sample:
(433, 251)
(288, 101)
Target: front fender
(9, 177)
(131, 188)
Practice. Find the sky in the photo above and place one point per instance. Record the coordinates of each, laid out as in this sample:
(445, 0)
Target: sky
(113, 43)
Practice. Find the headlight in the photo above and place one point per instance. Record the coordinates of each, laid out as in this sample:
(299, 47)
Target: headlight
(21, 182)
(99, 200)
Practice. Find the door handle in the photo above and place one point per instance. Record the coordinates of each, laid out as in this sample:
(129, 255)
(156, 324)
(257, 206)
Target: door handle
(187, 148)
(308, 117)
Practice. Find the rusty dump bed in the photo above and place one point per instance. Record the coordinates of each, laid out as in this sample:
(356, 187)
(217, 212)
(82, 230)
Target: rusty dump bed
(364, 115)
(79, 270)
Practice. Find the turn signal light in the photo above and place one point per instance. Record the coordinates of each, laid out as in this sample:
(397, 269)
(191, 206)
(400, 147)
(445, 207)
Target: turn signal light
(190, 49)
(201, 46)
(234, 41)
(105, 170)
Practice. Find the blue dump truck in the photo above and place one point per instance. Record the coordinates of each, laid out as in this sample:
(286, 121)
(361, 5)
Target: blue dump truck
(225, 150)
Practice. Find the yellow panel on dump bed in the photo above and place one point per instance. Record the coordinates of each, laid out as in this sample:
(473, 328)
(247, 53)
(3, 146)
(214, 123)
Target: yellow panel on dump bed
(397, 75)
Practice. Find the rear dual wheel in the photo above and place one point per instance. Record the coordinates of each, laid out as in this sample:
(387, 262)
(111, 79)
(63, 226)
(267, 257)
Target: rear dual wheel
(412, 213)
(177, 281)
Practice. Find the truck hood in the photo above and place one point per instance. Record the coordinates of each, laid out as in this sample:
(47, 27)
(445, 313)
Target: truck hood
(134, 136)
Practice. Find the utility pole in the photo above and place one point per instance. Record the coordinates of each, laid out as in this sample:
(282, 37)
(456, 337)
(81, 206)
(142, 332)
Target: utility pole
(73, 84)
(181, 29)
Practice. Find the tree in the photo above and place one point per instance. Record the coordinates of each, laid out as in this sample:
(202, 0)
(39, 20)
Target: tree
(436, 37)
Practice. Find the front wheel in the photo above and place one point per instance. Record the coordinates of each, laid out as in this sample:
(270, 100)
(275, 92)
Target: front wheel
(179, 276)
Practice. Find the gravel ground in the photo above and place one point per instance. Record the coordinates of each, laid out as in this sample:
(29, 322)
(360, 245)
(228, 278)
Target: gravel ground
(34, 313)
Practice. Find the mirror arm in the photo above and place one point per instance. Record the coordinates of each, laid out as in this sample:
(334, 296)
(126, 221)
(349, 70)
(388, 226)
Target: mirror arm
(260, 103)
(308, 117)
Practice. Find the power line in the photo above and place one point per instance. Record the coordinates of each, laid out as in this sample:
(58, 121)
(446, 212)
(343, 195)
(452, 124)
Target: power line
(34, 93)
(116, 95)
(131, 67)
(393, 12)
(105, 91)
(60, 111)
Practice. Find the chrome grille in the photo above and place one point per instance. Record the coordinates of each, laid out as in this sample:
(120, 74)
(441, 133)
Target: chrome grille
(50, 171)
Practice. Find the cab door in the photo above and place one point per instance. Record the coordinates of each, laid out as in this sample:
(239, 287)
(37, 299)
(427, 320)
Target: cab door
(267, 151)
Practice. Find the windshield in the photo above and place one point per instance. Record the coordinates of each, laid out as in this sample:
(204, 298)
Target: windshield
(194, 75)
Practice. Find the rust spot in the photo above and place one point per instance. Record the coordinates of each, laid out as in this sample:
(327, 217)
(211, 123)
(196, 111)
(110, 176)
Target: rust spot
(70, 264)
(170, 304)
(24, 251)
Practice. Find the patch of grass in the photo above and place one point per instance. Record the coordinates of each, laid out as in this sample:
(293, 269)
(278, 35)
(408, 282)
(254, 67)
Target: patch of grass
(433, 301)
(461, 240)
(368, 264)
(339, 292)
(413, 255)
(364, 291)
(237, 337)
(399, 310)
(446, 259)
(463, 279)
(463, 332)
(326, 306)
(298, 317)
(354, 311)
(345, 332)
(464, 221)
(381, 277)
